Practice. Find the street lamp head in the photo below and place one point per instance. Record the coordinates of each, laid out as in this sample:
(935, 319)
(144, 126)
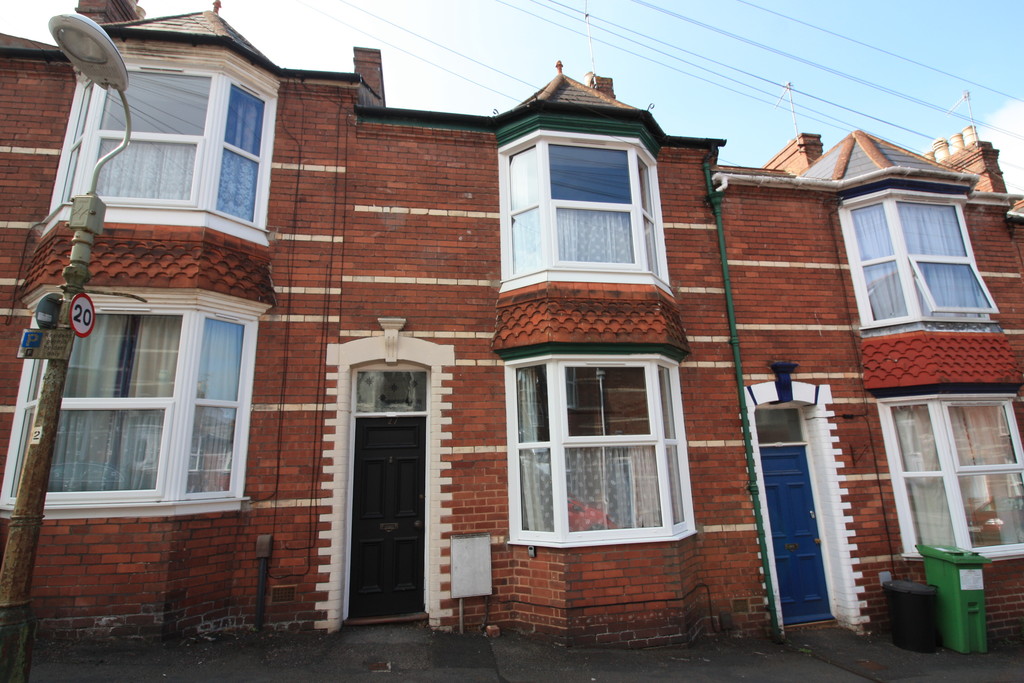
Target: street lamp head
(90, 49)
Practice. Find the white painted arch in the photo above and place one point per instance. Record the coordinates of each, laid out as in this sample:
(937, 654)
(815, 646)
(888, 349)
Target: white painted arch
(343, 360)
(827, 483)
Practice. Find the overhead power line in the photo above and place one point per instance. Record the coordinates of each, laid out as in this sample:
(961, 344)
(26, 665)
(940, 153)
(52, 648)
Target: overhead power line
(813, 64)
(843, 125)
(770, 94)
(409, 52)
(436, 44)
(879, 49)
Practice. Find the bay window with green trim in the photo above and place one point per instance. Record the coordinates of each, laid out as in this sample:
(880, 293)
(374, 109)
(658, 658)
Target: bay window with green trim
(581, 204)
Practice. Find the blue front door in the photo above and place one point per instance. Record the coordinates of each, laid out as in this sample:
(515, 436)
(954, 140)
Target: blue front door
(798, 564)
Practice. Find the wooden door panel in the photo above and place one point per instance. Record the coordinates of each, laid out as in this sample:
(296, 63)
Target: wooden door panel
(388, 517)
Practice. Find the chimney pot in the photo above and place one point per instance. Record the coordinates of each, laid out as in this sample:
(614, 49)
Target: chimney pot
(941, 148)
(970, 134)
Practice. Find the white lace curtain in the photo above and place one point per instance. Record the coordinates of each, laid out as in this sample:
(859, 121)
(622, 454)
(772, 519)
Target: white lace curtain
(149, 170)
(535, 486)
(107, 450)
(594, 236)
(614, 487)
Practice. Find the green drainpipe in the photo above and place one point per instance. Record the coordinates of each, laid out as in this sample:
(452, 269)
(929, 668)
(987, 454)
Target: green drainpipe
(715, 197)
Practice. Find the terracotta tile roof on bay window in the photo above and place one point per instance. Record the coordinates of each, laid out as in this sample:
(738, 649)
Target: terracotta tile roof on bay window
(174, 258)
(930, 358)
(587, 314)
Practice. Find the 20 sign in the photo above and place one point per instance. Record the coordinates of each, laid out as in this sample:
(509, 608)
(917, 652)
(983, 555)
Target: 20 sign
(83, 315)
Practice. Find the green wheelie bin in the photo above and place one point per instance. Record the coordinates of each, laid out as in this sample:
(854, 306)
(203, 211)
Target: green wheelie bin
(960, 596)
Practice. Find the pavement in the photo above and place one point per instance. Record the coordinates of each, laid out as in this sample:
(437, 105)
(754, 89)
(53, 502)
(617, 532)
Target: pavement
(412, 652)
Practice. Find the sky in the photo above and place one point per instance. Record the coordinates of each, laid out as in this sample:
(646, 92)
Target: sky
(908, 71)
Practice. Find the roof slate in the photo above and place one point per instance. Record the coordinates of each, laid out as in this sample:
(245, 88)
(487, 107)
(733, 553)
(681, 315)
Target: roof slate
(198, 23)
(860, 153)
(565, 90)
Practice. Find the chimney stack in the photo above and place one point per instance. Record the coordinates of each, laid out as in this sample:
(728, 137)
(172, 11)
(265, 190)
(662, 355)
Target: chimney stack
(110, 11)
(368, 65)
(599, 83)
(798, 155)
(967, 154)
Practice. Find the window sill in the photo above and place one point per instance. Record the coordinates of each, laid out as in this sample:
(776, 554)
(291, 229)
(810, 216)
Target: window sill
(591, 542)
(186, 216)
(931, 325)
(134, 509)
(584, 275)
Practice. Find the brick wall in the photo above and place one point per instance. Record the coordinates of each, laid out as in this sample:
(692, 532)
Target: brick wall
(371, 220)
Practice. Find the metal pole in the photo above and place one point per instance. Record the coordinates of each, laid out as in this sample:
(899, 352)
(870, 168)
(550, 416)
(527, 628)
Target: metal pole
(17, 624)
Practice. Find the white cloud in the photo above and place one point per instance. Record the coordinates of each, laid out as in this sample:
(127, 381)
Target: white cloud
(1011, 149)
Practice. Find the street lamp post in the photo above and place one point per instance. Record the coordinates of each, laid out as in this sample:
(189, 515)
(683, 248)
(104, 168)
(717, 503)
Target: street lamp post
(94, 54)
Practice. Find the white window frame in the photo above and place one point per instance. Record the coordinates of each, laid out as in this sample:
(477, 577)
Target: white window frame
(559, 440)
(950, 468)
(647, 268)
(82, 147)
(912, 280)
(169, 494)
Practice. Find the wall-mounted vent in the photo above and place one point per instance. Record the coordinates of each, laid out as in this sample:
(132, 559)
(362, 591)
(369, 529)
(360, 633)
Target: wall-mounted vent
(282, 594)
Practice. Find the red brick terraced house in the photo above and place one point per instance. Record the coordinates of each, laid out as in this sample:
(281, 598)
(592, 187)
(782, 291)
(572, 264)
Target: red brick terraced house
(554, 370)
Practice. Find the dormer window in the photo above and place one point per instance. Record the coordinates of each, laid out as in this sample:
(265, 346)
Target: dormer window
(199, 141)
(912, 260)
(583, 205)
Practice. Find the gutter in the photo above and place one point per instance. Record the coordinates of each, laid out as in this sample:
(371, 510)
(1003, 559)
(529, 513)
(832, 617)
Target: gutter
(828, 184)
(715, 198)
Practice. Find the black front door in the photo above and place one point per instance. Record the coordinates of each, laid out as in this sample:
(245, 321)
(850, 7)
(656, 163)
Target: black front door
(387, 517)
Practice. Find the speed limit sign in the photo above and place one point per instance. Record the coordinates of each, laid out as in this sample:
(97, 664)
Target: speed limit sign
(83, 315)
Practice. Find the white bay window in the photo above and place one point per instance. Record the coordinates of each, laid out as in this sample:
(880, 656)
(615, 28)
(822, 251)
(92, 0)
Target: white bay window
(199, 141)
(155, 410)
(958, 473)
(912, 259)
(597, 452)
(581, 205)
